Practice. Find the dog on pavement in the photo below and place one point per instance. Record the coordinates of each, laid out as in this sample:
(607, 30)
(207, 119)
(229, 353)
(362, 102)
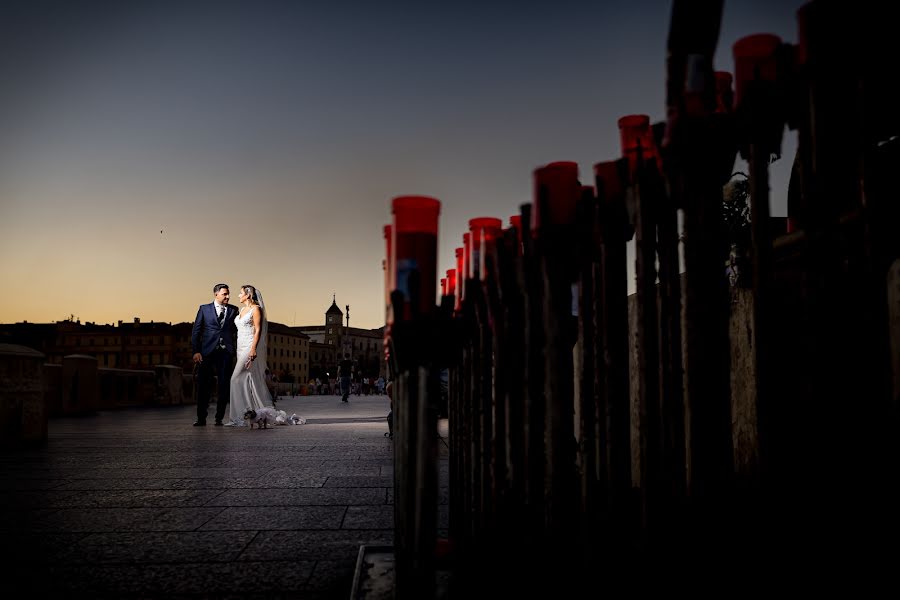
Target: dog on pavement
(261, 417)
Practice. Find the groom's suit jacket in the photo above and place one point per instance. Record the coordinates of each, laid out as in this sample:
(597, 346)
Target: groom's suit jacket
(207, 332)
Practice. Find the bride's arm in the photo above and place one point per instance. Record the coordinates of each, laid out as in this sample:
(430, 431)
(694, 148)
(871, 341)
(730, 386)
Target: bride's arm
(257, 323)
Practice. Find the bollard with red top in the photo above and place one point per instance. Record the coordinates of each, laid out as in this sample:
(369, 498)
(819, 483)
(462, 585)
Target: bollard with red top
(460, 276)
(612, 334)
(417, 362)
(637, 143)
(414, 250)
(485, 231)
(556, 194)
(699, 151)
(451, 283)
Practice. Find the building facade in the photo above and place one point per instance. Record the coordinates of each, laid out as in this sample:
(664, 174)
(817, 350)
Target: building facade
(141, 345)
(330, 341)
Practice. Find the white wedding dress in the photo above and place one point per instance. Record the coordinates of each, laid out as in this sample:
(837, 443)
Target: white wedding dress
(248, 385)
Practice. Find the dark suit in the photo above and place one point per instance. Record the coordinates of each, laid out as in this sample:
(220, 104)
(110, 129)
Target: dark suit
(216, 343)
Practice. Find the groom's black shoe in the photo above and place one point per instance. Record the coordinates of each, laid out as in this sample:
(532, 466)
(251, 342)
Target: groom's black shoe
(199, 423)
(218, 423)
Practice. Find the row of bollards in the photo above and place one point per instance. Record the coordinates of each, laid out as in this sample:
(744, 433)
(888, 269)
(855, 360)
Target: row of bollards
(597, 439)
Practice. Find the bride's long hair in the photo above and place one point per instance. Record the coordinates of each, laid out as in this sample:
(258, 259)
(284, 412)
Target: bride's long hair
(250, 291)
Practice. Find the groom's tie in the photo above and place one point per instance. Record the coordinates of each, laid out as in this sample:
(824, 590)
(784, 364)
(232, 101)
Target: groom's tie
(221, 319)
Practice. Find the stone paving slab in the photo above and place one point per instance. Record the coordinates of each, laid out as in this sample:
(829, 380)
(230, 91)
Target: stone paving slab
(126, 519)
(163, 547)
(333, 545)
(277, 517)
(164, 580)
(369, 517)
(250, 483)
(359, 481)
(300, 497)
(34, 499)
(137, 498)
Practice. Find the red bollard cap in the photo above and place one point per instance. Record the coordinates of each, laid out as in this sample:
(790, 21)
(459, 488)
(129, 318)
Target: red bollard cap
(460, 276)
(608, 179)
(416, 214)
(489, 235)
(636, 135)
(515, 221)
(477, 230)
(414, 250)
(451, 282)
(755, 59)
(467, 252)
(558, 183)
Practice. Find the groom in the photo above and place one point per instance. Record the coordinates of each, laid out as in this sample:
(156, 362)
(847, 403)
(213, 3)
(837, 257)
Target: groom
(213, 342)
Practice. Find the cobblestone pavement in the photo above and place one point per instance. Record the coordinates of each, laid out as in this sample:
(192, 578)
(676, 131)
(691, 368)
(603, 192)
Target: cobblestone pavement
(137, 502)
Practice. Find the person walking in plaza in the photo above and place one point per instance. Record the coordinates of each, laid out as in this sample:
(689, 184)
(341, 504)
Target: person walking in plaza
(345, 370)
(271, 381)
(213, 346)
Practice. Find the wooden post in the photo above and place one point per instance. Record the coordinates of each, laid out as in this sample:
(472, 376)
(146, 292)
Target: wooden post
(612, 327)
(673, 466)
(645, 202)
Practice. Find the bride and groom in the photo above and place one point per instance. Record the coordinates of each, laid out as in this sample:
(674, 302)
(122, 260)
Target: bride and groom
(221, 333)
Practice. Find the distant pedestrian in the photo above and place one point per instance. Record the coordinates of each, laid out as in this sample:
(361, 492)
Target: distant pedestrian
(271, 382)
(345, 370)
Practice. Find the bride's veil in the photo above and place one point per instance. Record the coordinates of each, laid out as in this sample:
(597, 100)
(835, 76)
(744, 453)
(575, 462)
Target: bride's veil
(263, 344)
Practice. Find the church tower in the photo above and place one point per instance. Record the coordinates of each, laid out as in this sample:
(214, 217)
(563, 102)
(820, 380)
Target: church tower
(333, 325)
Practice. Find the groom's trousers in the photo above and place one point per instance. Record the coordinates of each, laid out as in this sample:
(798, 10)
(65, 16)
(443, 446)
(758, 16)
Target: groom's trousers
(218, 364)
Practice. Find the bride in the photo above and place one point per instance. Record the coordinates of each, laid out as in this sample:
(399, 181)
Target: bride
(248, 382)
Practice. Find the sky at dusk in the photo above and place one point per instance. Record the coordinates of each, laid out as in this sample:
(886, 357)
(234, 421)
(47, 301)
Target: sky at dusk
(149, 150)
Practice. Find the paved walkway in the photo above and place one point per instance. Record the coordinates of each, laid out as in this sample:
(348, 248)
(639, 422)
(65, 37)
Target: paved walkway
(138, 502)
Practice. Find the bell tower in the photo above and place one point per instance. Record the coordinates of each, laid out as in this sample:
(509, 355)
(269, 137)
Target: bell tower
(334, 325)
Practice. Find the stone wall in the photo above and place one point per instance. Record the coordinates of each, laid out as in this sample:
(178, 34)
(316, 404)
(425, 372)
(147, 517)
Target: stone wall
(23, 412)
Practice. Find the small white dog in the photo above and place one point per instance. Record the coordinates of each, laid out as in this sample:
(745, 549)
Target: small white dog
(261, 417)
(266, 415)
